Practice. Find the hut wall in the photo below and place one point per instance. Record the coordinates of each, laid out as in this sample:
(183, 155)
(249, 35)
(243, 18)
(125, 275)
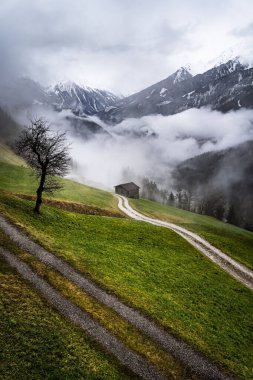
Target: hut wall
(134, 194)
(121, 191)
(130, 194)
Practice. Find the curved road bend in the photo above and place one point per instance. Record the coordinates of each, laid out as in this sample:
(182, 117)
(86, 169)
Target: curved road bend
(231, 266)
(181, 350)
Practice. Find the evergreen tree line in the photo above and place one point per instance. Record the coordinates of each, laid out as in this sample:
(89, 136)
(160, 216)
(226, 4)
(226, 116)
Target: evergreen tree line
(229, 207)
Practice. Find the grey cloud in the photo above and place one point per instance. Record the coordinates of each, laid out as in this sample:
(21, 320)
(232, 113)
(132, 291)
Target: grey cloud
(108, 41)
(244, 32)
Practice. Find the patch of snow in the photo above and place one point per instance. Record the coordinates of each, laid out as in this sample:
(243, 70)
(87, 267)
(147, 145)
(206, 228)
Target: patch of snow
(107, 109)
(153, 91)
(74, 90)
(239, 104)
(66, 86)
(37, 102)
(164, 103)
(163, 92)
(188, 95)
(95, 105)
(181, 74)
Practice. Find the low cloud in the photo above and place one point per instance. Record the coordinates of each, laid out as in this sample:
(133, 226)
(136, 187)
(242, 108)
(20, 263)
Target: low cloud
(245, 31)
(120, 45)
(150, 146)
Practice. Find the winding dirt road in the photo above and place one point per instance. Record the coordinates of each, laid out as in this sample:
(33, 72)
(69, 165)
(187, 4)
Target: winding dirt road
(239, 271)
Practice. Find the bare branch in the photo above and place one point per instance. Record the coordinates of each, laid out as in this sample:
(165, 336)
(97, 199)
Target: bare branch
(47, 153)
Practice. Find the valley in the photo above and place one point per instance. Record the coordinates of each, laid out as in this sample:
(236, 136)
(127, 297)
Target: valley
(126, 182)
(148, 268)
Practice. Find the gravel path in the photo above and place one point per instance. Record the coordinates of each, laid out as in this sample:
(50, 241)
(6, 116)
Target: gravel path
(197, 362)
(128, 358)
(231, 266)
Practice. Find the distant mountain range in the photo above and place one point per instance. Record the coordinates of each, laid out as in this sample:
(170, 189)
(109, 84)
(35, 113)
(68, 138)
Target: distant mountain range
(224, 87)
(81, 100)
(227, 86)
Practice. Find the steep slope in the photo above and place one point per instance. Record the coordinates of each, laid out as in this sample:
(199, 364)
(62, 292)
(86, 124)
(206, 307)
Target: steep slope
(224, 87)
(9, 157)
(141, 264)
(82, 100)
(21, 93)
(220, 183)
(9, 129)
(168, 274)
(86, 128)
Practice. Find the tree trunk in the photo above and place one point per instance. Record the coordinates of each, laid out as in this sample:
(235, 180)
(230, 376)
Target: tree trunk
(38, 201)
(39, 192)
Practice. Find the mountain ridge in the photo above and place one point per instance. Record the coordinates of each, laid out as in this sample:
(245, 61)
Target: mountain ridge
(224, 87)
(81, 100)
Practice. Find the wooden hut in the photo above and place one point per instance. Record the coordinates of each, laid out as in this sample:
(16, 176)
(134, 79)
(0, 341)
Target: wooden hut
(130, 190)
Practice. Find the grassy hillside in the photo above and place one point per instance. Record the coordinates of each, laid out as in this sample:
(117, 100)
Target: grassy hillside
(156, 271)
(232, 240)
(38, 343)
(149, 267)
(7, 156)
(20, 179)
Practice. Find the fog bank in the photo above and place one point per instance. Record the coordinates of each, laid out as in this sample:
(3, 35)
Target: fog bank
(150, 146)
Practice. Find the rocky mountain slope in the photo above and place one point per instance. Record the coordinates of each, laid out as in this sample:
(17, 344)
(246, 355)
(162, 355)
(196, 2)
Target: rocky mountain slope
(224, 87)
(81, 100)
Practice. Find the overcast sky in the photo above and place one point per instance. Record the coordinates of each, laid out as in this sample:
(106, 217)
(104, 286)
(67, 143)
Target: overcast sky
(121, 45)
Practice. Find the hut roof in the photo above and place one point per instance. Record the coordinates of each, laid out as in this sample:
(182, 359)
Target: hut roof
(128, 186)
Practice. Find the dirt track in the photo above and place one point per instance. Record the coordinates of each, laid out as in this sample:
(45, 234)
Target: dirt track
(189, 357)
(231, 266)
(127, 357)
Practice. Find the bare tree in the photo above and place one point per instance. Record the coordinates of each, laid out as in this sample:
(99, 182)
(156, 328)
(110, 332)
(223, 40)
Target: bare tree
(47, 154)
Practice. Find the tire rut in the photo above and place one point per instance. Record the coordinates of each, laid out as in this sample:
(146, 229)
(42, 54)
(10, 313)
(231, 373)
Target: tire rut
(181, 350)
(131, 360)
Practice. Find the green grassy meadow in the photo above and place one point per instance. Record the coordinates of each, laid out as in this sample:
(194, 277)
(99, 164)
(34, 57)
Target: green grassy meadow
(7, 156)
(38, 343)
(154, 270)
(20, 179)
(149, 267)
(235, 241)
(123, 330)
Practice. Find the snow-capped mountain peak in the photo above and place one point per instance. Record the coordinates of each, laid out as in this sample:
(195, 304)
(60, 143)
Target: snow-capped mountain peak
(224, 69)
(224, 87)
(82, 100)
(68, 86)
(181, 74)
